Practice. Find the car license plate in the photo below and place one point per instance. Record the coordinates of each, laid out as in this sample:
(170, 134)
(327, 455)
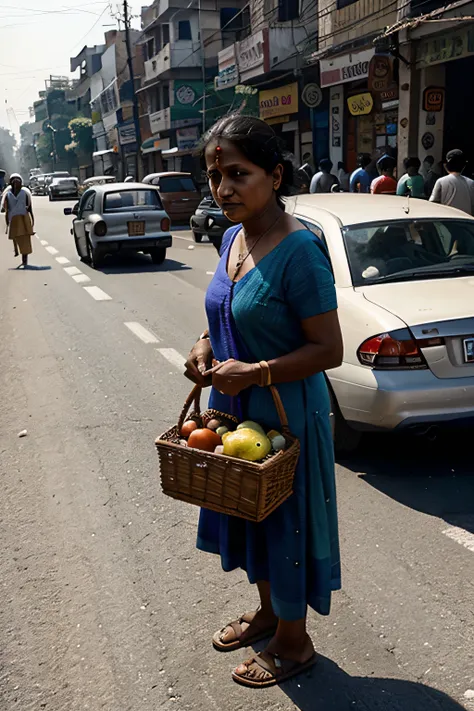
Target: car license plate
(468, 350)
(136, 229)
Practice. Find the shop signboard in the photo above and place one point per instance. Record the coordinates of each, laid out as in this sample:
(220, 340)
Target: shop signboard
(433, 99)
(360, 104)
(228, 70)
(349, 67)
(186, 138)
(127, 134)
(380, 72)
(312, 95)
(279, 102)
(187, 100)
(252, 55)
(451, 45)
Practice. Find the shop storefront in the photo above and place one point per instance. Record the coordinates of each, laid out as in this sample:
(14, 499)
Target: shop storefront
(363, 106)
(279, 107)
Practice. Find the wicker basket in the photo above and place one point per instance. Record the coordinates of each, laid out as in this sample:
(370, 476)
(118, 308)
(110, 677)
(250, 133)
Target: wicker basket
(225, 484)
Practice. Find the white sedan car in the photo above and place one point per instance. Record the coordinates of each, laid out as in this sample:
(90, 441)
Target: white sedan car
(404, 275)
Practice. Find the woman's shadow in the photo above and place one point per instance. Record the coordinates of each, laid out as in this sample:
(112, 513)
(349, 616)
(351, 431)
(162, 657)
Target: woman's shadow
(328, 688)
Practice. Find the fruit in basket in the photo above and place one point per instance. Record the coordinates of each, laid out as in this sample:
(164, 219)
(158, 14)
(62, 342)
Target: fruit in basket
(213, 424)
(250, 425)
(222, 430)
(204, 439)
(188, 427)
(277, 440)
(219, 449)
(247, 443)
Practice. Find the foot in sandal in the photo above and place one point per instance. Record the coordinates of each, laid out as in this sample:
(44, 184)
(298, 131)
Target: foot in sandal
(248, 629)
(270, 668)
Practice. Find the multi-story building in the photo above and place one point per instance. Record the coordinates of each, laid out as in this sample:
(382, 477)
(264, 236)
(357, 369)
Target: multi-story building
(181, 42)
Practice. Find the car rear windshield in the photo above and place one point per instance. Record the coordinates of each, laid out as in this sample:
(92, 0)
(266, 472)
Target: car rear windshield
(407, 250)
(177, 184)
(126, 200)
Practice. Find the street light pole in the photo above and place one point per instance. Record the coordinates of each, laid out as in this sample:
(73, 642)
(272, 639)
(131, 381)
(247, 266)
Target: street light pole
(203, 69)
(136, 118)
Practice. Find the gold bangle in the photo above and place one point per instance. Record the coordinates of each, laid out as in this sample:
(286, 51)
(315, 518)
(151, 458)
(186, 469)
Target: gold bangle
(265, 376)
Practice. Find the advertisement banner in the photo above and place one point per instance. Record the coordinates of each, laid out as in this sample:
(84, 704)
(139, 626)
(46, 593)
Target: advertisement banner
(451, 45)
(127, 133)
(228, 70)
(279, 102)
(187, 138)
(339, 70)
(252, 55)
(187, 99)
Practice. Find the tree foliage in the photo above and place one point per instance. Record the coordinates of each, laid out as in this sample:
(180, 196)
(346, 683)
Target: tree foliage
(81, 133)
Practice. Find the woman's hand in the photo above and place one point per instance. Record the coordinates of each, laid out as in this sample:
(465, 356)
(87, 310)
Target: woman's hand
(199, 361)
(232, 376)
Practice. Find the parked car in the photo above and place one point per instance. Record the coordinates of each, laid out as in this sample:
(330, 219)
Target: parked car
(96, 180)
(40, 187)
(63, 188)
(210, 221)
(117, 217)
(404, 275)
(179, 193)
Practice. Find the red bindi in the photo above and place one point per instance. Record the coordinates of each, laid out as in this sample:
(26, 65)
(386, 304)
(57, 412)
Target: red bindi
(218, 153)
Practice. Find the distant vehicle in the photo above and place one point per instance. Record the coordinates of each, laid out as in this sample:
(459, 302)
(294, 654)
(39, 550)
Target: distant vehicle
(119, 217)
(35, 171)
(38, 184)
(179, 193)
(63, 188)
(97, 180)
(404, 275)
(209, 220)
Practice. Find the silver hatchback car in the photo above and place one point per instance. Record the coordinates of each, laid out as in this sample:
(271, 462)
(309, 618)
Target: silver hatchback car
(120, 216)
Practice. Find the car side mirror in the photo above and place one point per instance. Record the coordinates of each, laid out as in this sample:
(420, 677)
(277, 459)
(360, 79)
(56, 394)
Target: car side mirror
(67, 210)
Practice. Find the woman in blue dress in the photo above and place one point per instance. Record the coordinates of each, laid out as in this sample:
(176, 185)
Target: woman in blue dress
(272, 317)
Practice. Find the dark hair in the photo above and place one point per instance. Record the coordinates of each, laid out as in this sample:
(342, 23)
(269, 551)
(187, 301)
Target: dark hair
(363, 160)
(386, 163)
(455, 160)
(325, 164)
(429, 159)
(412, 162)
(258, 142)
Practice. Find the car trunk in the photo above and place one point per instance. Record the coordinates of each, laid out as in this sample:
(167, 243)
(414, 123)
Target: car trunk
(181, 204)
(434, 308)
(133, 224)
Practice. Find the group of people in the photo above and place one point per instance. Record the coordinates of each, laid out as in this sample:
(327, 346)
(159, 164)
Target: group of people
(16, 203)
(419, 181)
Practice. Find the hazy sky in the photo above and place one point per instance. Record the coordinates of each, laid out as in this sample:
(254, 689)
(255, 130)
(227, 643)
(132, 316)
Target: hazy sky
(38, 37)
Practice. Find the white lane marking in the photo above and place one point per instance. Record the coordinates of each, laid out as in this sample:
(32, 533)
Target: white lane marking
(210, 273)
(461, 536)
(173, 357)
(97, 293)
(52, 250)
(72, 270)
(43, 242)
(62, 260)
(141, 332)
(80, 278)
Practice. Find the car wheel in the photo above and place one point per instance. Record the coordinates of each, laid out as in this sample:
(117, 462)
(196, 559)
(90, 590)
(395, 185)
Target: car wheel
(197, 237)
(95, 256)
(345, 438)
(50, 198)
(158, 255)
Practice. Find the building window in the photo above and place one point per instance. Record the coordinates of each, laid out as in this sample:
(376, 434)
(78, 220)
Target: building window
(150, 48)
(184, 30)
(166, 96)
(344, 3)
(288, 10)
(166, 34)
(231, 19)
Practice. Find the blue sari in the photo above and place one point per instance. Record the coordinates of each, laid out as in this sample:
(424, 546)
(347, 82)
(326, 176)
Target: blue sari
(296, 548)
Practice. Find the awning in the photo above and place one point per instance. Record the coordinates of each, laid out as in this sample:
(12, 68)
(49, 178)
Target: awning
(147, 86)
(153, 144)
(99, 154)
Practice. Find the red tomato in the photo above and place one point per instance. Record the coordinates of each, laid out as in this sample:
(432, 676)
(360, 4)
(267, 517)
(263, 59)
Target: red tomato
(204, 439)
(188, 427)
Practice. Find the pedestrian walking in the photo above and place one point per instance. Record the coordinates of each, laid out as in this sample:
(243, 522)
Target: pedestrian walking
(343, 177)
(17, 205)
(455, 189)
(272, 301)
(323, 181)
(434, 174)
(412, 183)
(360, 179)
(385, 184)
(426, 167)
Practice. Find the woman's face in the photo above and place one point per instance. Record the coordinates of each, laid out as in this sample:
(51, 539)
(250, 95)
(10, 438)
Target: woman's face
(16, 184)
(240, 187)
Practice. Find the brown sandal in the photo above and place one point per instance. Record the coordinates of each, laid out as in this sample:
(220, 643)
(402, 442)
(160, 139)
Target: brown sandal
(266, 669)
(237, 642)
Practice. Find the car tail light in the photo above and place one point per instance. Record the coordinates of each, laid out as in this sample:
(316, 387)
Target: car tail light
(396, 351)
(165, 224)
(100, 228)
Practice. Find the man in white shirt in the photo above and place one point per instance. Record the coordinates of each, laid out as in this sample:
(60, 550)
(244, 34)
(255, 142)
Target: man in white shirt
(455, 190)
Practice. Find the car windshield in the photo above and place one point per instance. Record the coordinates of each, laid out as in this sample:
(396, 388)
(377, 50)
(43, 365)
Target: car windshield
(404, 250)
(177, 184)
(126, 200)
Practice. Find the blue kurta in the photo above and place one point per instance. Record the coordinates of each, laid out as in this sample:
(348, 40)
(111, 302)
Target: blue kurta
(296, 548)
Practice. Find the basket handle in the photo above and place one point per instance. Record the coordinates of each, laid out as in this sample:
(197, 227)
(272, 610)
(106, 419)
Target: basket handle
(279, 407)
(194, 396)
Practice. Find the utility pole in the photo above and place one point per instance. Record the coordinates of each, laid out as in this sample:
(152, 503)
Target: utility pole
(203, 66)
(136, 119)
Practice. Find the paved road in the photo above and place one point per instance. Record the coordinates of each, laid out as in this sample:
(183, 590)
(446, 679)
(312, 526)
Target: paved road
(104, 601)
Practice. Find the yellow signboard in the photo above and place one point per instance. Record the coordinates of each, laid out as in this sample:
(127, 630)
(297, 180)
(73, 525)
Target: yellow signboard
(360, 104)
(279, 102)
